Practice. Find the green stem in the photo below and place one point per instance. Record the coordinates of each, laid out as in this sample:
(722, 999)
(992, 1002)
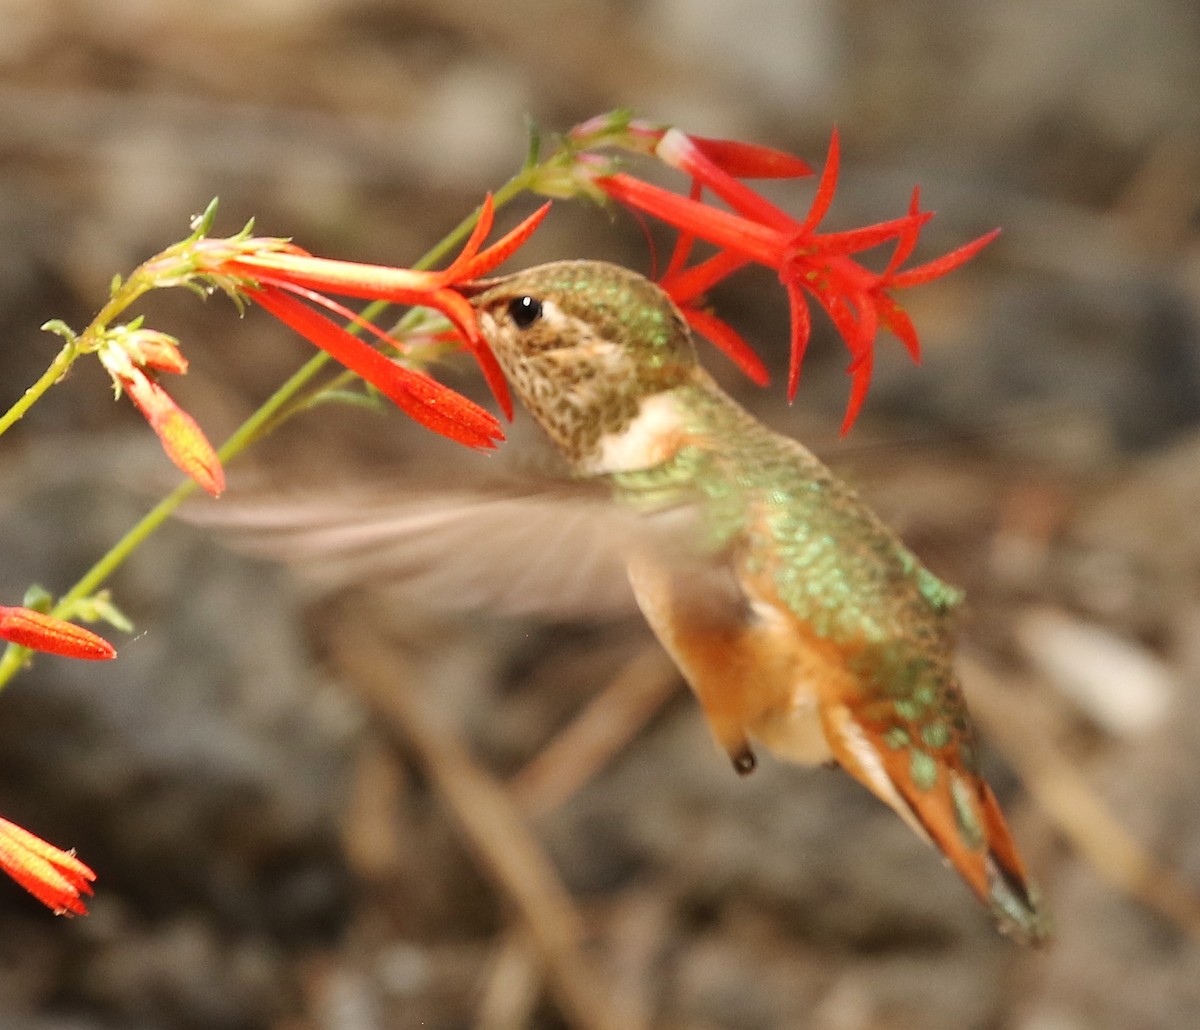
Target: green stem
(86, 342)
(246, 434)
(460, 232)
(58, 368)
(273, 412)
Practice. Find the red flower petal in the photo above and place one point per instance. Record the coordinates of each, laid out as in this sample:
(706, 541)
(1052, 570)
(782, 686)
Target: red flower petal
(851, 241)
(500, 251)
(940, 266)
(825, 187)
(900, 325)
(479, 233)
(339, 309)
(750, 160)
(692, 282)
(860, 381)
(423, 399)
(683, 242)
(55, 877)
(756, 242)
(182, 439)
(861, 365)
(907, 240)
(41, 632)
(348, 278)
(458, 309)
(800, 332)
(743, 160)
(729, 342)
(680, 151)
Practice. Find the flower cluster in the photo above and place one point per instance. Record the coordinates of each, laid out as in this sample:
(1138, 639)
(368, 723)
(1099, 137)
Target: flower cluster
(285, 280)
(809, 263)
(279, 276)
(744, 227)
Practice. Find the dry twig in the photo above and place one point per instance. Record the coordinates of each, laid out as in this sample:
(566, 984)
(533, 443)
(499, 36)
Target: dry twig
(598, 733)
(494, 827)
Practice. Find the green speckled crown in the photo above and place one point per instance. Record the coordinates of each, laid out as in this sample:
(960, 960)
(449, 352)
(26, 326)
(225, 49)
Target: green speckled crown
(617, 304)
(620, 338)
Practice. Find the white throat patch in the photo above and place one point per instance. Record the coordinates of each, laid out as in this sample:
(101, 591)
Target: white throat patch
(648, 440)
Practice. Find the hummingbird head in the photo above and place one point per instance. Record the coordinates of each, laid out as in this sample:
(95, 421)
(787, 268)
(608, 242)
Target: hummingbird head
(583, 343)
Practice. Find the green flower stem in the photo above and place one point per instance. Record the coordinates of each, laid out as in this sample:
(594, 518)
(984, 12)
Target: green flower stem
(274, 411)
(247, 433)
(58, 368)
(87, 341)
(516, 185)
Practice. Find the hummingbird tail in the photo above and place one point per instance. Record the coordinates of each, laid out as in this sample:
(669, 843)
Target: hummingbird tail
(963, 820)
(1012, 897)
(956, 811)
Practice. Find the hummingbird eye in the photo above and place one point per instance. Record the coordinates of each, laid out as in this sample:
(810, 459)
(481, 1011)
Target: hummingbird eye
(524, 311)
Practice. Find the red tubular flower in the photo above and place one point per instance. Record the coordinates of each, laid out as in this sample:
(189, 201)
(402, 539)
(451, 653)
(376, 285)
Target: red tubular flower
(425, 400)
(126, 353)
(182, 439)
(735, 157)
(41, 632)
(278, 273)
(152, 349)
(55, 877)
(820, 266)
(717, 163)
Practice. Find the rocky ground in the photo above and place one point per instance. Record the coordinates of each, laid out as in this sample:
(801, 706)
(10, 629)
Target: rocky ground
(326, 812)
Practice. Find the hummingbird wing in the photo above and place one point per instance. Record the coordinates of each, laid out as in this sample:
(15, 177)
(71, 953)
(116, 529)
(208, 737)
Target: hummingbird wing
(552, 550)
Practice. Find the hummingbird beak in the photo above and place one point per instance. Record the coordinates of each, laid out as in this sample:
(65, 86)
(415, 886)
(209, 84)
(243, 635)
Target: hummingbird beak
(474, 287)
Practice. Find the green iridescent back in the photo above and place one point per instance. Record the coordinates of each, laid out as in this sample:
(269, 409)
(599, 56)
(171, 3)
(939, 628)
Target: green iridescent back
(833, 563)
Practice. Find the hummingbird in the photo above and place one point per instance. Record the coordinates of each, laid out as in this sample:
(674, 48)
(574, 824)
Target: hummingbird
(800, 621)
(798, 618)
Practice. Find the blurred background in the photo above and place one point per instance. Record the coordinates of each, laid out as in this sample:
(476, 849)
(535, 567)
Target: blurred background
(313, 811)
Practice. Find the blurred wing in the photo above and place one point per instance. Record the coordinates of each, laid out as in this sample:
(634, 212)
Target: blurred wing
(556, 552)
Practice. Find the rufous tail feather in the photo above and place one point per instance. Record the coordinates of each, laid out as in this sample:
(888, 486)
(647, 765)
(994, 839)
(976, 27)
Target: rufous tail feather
(963, 820)
(958, 814)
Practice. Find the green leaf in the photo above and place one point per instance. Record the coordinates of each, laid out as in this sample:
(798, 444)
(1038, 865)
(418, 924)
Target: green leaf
(100, 608)
(60, 328)
(202, 224)
(38, 598)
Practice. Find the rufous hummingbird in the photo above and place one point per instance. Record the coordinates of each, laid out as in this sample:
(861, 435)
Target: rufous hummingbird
(800, 621)
(798, 618)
